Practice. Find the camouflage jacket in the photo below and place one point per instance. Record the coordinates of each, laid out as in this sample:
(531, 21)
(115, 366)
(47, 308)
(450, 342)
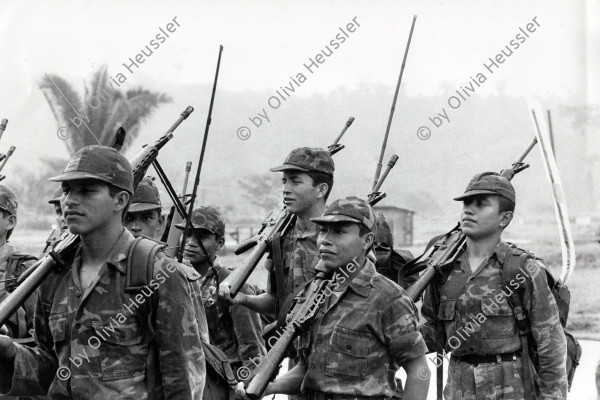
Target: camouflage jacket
(196, 292)
(359, 341)
(20, 324)
(469, 314)
(95, 344)
(236, 330)
(300, 257)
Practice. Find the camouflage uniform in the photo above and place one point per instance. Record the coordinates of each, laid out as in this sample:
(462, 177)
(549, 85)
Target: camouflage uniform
(20, 324)
(236, 330)
(299, 248)
(97, 343)
(364, 332)
(469, 315)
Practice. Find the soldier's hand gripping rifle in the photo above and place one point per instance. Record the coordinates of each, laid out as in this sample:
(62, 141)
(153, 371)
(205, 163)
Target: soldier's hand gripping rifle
(447, 248)
(262, 241)
(65, 249)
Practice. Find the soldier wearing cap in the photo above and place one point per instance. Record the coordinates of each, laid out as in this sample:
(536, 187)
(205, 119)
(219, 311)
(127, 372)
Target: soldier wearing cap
(12, 265)
(366, 327)
(468, 311)
(55, 201)
(390, 262)
(144, 217)
(93, 340)
(307, 182)
(234, 329)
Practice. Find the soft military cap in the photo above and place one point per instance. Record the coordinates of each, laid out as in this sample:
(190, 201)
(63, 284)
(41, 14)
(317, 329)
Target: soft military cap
(146, 196)
(208, 218)
(99, 163)
(307, 159)
(349, 209)
(55, 199)
(489, 183)
(8, 201)
(384, 234)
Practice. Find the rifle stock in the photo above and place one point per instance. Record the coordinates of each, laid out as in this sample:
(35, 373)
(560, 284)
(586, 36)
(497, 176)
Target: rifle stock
(302, 311)
(65, 249)
(448, 247)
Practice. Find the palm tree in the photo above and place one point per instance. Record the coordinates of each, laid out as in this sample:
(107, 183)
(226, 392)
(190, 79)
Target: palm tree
(95, 118)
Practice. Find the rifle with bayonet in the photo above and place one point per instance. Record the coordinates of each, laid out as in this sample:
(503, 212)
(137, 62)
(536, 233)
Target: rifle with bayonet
(302, 310)
(448, 247)
(64, 251)
(270, 227)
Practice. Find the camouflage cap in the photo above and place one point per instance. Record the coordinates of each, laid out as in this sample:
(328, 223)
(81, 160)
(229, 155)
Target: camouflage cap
(99, 163)
(146, 196)
(55, 199)
(349, 209)
(489, 183)
(8, 201)
(307, 159)
(384, 234)
(208, 218)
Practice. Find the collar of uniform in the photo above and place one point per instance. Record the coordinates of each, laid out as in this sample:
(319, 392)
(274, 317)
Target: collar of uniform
(216, 264)
(501, 250)
(118, 254)
(308, 233)
(361, 279)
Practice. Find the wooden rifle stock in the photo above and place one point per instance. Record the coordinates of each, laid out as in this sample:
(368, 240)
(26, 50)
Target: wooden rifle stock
(448, 247)
(301, 313)
(65, 249)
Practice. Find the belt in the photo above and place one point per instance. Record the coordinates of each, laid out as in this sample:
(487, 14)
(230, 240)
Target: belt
(475, 359)
(315, 395)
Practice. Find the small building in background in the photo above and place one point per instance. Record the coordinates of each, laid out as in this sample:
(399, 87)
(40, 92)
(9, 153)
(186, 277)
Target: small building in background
(400, 221)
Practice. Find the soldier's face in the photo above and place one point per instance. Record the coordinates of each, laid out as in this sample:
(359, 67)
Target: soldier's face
(7, 222)
(88, 206)
(60, 221)
(211, 243)
(299, 194)
(481, 217)
(339, 243)
(145, 223)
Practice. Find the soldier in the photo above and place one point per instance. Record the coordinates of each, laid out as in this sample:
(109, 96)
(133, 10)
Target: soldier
(61, 226)
(390, 263)
(468, 312)
(12, 265)
(95, 340)
(144, 217)
(366, 327)
(236, 330)
(307, 181)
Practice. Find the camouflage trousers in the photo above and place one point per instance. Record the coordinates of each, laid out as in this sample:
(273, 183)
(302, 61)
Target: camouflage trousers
(485, 381)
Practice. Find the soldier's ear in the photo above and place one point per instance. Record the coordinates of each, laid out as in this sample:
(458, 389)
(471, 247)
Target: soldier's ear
(220, 243)
(11, 221)
(368, 240)
(121, 200)
(505, 218)
(322, 189)
(161, 219)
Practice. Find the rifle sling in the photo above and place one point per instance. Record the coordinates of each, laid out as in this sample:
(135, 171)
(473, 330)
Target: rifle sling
(280, 286)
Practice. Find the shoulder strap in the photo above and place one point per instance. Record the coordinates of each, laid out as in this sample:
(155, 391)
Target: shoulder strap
(140, 263)
(514, 260)
(280, 288)
(139, 273)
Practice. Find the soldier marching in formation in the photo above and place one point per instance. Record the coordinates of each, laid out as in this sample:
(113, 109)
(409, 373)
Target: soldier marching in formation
(96, 330)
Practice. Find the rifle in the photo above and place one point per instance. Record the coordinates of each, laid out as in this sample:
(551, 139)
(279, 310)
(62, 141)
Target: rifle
(3, 126)
(262, 241)
(447, 248)
(389, 123)
(188, 224)
(65, 249)
(303, 309)
(171, 236)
